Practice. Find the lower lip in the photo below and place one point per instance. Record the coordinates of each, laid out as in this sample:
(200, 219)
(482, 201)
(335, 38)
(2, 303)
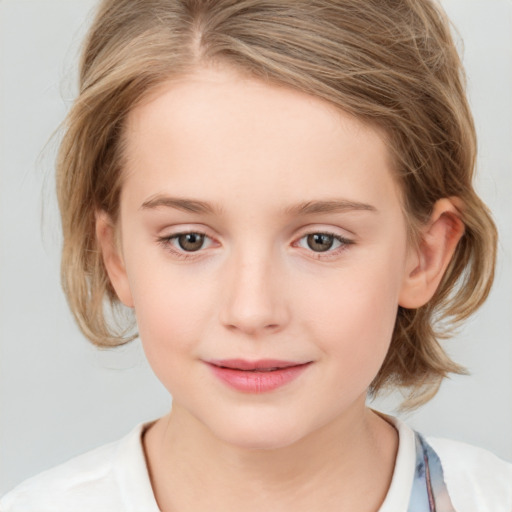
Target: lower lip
(258, 382)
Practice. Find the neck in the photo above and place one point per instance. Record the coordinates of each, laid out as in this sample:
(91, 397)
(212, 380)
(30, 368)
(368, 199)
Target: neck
(347, 464)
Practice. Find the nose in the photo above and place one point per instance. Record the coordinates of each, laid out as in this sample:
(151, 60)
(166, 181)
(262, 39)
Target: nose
(254, 295)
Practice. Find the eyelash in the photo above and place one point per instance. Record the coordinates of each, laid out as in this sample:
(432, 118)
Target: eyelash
(167, 243)
(329, 253)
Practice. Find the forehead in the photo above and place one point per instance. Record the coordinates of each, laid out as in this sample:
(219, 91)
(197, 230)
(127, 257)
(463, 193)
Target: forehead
(219, 132)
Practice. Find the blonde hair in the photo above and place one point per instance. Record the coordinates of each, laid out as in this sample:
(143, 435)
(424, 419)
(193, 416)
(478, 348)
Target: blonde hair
(391, 63)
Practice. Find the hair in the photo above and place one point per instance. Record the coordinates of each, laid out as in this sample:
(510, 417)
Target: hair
(390, 63)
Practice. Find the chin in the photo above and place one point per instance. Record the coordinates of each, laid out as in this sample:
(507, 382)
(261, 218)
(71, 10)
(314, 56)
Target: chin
(257, 441)
(269, 434)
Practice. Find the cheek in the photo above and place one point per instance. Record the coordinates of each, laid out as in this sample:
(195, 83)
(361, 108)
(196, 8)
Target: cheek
(170, 308)
(170, 328)
(353, 314)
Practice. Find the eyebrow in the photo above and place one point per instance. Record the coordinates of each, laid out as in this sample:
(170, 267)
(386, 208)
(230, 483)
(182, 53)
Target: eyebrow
(304, 208)
(332, 206)
(178, 203)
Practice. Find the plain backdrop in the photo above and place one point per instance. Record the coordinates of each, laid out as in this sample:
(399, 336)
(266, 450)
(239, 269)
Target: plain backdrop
(59, 396)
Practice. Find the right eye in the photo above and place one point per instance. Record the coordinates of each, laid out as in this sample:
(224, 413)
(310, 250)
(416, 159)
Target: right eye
(189, 242)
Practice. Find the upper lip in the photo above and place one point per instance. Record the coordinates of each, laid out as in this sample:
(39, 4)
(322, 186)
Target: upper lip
(260, 364)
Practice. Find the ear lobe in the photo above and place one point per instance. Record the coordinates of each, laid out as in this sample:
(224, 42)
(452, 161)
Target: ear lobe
(429, 261)
(112, 257)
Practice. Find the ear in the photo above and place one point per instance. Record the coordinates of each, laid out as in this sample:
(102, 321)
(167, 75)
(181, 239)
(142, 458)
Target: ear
(112, 257)
(428, 262)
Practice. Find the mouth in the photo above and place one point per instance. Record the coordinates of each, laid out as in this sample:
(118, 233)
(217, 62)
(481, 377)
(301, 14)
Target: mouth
(262, 365)
(257, 376)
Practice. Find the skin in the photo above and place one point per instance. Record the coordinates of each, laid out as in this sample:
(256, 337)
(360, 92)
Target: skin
(257, 289)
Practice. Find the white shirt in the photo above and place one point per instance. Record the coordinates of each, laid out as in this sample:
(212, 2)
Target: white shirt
(114, 478)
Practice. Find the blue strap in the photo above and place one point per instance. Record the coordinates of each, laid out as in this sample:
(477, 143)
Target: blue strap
(429, 491)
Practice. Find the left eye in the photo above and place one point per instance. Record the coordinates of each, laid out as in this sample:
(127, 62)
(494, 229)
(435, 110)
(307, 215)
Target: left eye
(322, 242)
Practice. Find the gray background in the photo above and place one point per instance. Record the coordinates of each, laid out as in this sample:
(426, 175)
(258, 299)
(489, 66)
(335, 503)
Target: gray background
(59, 396)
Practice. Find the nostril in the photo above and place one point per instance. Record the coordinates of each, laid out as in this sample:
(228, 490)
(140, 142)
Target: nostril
(253, 308)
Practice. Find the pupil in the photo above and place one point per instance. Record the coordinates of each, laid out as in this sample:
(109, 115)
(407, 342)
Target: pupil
(191, 241)
(320, 242)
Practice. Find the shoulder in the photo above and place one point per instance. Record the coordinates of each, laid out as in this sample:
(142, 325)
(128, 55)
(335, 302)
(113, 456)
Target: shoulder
(476, 479)
(96, 480)
(83, 482)
(67, 484)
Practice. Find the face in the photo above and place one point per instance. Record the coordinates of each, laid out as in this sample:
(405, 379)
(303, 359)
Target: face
(259, 223)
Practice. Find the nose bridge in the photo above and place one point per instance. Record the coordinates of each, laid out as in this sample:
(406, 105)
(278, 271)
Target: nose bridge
(253, 291)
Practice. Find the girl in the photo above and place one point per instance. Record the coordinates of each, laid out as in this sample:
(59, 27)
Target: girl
(281, 192)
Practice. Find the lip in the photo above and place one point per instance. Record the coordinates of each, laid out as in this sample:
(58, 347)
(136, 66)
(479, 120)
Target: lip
(260, 364)
(259, 376)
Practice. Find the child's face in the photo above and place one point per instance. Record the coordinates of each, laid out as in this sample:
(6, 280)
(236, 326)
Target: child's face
(255, 169)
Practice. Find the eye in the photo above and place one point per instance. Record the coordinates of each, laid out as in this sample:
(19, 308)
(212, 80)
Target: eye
(190, 242)
(323, 242)
(187, 242)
